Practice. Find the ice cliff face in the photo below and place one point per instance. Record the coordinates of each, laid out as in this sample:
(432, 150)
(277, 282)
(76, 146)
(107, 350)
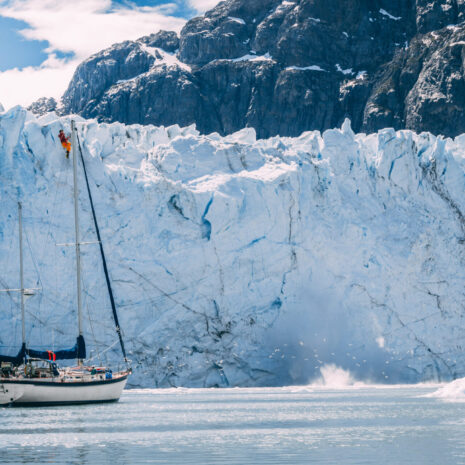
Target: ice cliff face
(284, 67)
(238, 261)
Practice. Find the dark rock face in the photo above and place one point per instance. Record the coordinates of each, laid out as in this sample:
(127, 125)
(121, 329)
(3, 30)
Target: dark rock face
(423, 88)
(119, 63)
(42, 106)
(436, 14)
(284, 67)
(179, 100)
(224, 32)
(167, 40)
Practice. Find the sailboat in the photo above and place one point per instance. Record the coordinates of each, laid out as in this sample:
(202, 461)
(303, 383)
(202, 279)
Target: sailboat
(33, 377)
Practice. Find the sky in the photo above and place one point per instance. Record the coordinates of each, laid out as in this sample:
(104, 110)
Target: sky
(43, 41)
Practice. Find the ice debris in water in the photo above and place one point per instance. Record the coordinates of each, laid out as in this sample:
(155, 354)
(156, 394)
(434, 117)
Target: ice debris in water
(453, 392)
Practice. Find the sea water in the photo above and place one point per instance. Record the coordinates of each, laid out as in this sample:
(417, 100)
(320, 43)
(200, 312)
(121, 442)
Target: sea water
(294, 425)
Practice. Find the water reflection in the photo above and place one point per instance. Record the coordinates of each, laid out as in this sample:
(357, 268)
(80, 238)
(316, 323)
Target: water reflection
(242, 426)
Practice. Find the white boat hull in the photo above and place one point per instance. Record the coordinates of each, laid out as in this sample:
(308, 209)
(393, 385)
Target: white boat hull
(38, 392)
(9, 394)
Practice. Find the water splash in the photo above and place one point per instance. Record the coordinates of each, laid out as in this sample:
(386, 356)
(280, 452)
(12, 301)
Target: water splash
(452, 392)
(333, 376)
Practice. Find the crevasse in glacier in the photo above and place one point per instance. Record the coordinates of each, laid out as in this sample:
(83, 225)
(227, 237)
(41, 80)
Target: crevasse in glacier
(238, 261)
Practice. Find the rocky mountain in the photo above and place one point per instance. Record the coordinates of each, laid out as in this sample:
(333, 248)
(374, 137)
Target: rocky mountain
(43, 105)
(283, 67)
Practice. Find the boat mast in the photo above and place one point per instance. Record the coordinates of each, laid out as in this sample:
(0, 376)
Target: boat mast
(76, 227)
(21, 272)
(104, 260)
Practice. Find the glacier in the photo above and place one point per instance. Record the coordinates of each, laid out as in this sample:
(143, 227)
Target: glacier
(237, 261)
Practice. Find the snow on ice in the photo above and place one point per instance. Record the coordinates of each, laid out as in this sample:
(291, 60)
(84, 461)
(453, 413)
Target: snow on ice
(242, 262)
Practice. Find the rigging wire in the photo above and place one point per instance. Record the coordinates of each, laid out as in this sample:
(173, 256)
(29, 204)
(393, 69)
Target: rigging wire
(84, 289)
(57, 203)
(56, 199)
(104, 352)
(39, 282)
(104, 262)
(54, 207)
(44, 245)
(57, 207)
(36, 268)
(11, 247)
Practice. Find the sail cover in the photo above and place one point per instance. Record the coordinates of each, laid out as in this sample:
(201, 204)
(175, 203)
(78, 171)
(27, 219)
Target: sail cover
(15, 360)
(76, 352)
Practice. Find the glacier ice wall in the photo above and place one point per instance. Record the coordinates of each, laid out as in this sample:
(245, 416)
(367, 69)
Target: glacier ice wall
(238, 261)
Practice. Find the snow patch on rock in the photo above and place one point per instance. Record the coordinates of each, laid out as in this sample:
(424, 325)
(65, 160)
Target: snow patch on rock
(306, 68)
(385, 13)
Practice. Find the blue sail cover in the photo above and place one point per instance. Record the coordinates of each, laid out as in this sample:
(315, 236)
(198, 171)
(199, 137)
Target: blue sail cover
(77, 352)
(15, 360)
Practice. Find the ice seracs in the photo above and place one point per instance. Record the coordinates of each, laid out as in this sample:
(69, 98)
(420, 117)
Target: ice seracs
(226, 249)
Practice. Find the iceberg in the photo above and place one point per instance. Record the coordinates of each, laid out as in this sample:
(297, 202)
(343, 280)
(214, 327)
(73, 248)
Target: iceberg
(242, 262)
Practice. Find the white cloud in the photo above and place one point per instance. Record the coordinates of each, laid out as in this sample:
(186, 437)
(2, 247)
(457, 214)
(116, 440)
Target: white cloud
(22, 87)
(201, 6)
(82, 28)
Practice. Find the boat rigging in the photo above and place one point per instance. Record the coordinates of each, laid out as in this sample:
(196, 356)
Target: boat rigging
(32, 377)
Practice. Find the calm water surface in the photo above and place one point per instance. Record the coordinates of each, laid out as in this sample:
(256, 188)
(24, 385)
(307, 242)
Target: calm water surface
(242, 426)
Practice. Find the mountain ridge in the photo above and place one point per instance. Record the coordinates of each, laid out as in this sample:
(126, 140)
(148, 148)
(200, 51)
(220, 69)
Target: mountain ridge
(285, 67)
